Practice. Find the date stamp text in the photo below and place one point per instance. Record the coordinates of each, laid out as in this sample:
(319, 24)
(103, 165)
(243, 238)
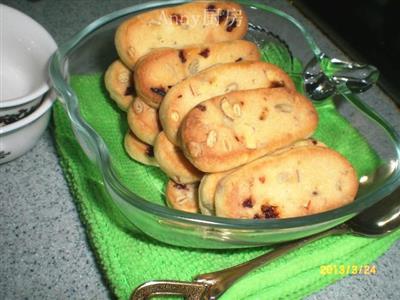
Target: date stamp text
(347, 269)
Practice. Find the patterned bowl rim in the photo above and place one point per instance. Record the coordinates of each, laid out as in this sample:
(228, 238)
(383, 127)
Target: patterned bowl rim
(46, 104)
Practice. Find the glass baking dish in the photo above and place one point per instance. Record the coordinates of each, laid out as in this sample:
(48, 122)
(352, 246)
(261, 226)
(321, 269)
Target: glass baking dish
(92, 50)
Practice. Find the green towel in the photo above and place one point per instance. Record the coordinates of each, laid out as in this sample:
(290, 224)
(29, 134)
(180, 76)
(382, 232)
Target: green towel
(130, 258)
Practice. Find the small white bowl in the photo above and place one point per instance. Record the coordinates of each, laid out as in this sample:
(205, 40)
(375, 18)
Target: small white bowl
(19, 137)
(25, 48)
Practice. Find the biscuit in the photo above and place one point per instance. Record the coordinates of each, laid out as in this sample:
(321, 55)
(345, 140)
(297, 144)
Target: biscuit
(209, 182)
(143, 121)
(179, 26)
(215, 81)
(161, 69)
(299, 182)
(231, 130)
(207, 188)
(182, 196)
(173, 162)
(138, 150)
(118, 81)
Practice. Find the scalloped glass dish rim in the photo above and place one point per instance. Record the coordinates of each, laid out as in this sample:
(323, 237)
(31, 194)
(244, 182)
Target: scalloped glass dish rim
(110, 177)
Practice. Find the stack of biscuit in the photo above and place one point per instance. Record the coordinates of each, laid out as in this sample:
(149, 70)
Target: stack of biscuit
(230, 131)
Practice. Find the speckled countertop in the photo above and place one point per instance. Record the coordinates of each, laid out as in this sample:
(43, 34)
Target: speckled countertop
(44, 250)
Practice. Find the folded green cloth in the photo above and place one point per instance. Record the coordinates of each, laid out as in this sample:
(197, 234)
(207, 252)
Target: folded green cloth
(131, 258)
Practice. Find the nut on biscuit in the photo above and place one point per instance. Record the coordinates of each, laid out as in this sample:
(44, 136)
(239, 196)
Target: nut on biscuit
(143, 121)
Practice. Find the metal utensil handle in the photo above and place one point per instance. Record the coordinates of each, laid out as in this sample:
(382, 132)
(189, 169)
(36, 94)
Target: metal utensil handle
(212, 285)
(190, 290)
(220, 281)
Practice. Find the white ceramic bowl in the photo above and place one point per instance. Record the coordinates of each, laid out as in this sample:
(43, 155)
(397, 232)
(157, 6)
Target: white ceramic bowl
(19, 137)
(25, 48)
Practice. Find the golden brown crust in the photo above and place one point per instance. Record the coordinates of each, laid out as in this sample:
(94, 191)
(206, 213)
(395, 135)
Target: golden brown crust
(179, 26)
(215, 81)
(231, 130)
(161, 69)
(299, 182)
(173, 162)
(138, 150)
(143, 121)
(118, 82)
(182, 196)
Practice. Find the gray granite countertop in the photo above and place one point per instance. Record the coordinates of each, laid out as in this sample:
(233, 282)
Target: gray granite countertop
(44, 250)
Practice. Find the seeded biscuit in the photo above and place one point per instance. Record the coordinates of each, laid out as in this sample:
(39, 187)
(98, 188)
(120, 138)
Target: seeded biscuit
(179, 26)
(143, 121)
(173, 162)
(231, 130)
(209, 182)
(182, 196)
(215, 81)
(161, 69)
(118, 82)
(298, 182)
(138, 150)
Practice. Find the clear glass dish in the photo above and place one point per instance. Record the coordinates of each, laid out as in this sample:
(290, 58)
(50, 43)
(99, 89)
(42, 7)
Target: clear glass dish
(92, 51)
